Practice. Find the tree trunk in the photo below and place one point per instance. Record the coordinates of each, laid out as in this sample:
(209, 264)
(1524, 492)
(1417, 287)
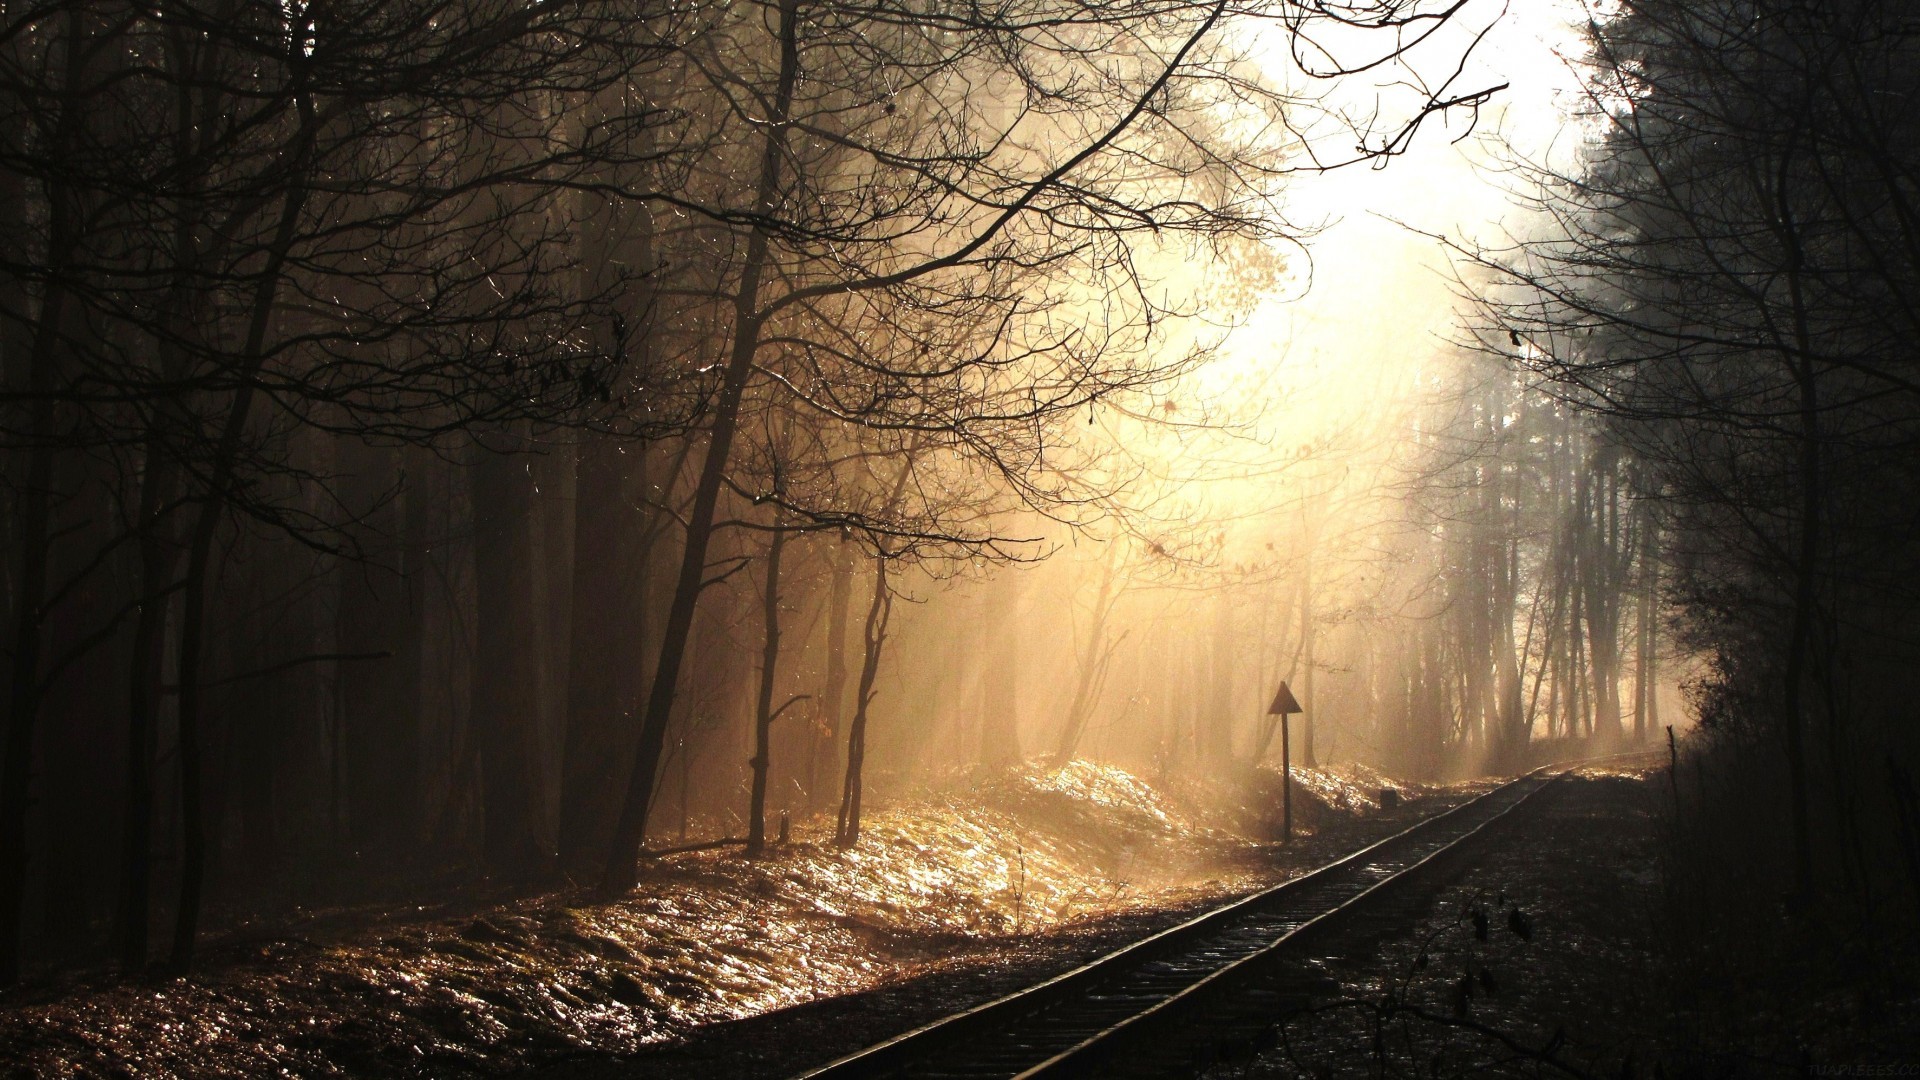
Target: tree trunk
(378, 728)
(33, 513)
(158, 563)
(847, 828)
(23, 705)
(1643, 673)
(1094, 657)
(1793, 703)
(1000, 698)
(612, 542)
(833, 704)
(629, 834)
(213, 508)
(1217, 744)
(1606, 588)
(1806, 564)
(1307, 700)
(763, 707)
(505, 714)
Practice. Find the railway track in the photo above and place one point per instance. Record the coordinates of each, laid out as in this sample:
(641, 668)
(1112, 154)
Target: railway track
(1211, 983)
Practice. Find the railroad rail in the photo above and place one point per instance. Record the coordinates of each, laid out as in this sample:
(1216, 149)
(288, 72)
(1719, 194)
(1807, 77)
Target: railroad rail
(1215, 979)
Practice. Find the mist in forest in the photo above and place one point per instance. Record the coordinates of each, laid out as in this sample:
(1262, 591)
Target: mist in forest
(437, 421)
(467, 448)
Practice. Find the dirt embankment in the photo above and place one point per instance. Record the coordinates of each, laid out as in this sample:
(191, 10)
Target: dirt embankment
(970, 878)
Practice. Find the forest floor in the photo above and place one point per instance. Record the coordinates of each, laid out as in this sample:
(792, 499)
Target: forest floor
(719, 965)
(1558, 954)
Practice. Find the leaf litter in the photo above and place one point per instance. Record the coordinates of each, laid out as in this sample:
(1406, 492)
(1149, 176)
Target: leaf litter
(707, 937)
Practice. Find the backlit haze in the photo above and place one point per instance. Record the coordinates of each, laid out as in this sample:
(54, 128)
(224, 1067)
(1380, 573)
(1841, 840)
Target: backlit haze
(1282, 470)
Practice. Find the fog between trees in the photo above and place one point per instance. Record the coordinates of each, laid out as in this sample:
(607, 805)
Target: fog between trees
(455, 443)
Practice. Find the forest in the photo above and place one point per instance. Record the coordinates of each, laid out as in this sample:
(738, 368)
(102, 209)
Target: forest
(461, 451)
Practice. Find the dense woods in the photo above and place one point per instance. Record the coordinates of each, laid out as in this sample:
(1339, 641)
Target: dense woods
(411, 406)
(455, 447)
(1726, 284)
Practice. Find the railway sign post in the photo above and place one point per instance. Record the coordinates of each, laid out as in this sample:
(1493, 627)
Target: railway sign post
(1284, 705)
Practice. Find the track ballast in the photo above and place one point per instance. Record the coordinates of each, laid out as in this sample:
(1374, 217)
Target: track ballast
(1215, 980)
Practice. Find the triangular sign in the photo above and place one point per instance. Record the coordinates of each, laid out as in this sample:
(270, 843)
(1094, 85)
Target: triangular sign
(1283, 703)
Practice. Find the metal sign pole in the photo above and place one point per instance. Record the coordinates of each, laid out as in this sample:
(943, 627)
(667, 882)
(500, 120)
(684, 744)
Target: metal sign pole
(1286, 780)
(1285, 705)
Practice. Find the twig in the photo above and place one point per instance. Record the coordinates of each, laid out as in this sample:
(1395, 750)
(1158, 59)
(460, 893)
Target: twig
(704, 845)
